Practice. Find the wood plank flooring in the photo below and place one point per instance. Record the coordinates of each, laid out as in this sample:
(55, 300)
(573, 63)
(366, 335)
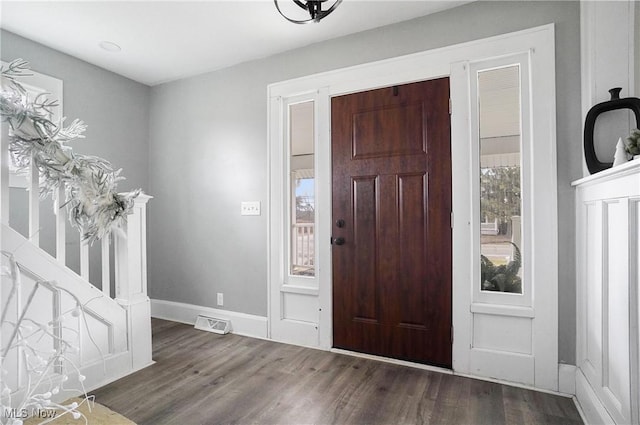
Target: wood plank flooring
(205, 378)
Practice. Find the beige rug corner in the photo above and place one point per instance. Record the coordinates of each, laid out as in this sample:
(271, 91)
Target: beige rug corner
(99, 415)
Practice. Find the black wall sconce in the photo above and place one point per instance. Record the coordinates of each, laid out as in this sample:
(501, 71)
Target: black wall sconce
(593, 163)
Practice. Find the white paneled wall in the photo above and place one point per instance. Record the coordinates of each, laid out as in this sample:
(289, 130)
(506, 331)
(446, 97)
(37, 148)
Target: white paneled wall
(608, 250)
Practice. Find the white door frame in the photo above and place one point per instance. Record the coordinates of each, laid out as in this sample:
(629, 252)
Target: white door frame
(451, 61)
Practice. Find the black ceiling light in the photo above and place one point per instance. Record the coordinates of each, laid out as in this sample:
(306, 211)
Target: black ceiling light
(313, 7)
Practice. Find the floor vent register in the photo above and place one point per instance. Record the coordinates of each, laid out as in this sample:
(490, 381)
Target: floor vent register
(211, 324)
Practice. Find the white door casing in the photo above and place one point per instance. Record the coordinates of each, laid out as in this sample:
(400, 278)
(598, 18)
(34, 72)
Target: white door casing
(539, 312)
(294, 307)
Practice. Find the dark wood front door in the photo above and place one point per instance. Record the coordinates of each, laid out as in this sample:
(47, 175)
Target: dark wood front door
(391, 159)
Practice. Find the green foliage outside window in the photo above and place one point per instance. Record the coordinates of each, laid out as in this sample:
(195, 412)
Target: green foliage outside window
(499, 194)
(502, 278)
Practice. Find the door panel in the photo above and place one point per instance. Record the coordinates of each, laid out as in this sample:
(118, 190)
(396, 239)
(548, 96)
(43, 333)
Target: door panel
(373, 140)
(412, 233)
(391, 168)
(365, 236)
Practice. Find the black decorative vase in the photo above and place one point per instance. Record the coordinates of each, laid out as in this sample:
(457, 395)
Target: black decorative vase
(593, 163)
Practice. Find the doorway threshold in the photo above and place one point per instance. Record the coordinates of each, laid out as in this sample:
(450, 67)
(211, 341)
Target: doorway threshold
(445, 371)
(393, 361)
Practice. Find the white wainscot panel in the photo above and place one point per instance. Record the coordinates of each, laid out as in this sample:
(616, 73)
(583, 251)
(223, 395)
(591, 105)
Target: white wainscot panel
(300, 307)
(616, 372)
(101, 338)
(40, 311)
(634, 292)
(593, 293)
(503, 365)
(608, 224)
(502, 333)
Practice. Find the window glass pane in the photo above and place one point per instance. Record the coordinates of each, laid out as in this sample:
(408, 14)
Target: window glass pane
(302, 201)
(500, 179)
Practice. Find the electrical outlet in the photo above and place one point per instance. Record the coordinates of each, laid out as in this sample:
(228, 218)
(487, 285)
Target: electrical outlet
(220, 298)
(250, 208)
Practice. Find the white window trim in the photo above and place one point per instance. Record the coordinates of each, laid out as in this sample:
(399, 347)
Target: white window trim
(447, 61)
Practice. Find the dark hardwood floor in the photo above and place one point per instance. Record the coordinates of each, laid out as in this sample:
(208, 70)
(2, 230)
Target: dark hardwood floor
(204, 378)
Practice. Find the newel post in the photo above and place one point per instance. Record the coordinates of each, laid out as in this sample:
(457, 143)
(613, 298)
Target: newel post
(131, 281)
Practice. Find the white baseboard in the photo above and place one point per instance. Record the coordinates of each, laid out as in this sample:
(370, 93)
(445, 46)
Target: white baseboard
(97, 374)
(590, 406)
(241, 323)
(567, 379)
(114, 376)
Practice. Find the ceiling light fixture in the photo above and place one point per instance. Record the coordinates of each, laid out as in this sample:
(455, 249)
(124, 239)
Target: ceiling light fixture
(109, 46)
(314, 7)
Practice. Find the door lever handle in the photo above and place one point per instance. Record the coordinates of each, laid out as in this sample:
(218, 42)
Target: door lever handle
(337, 241)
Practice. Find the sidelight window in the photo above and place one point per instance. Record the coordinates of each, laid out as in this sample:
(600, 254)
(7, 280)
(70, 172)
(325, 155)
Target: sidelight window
(500, 175)
(301, 227)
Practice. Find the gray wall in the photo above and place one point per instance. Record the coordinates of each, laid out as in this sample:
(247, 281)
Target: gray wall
(208, 152)
(116, 111)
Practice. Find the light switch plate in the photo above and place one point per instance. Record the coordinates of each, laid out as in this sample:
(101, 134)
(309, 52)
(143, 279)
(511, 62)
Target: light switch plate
(250, 208)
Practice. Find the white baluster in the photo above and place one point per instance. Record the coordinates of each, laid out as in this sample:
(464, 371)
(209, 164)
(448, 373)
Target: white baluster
(34, 204)
(309, 247)
(294, 245)
(61, 226)
(56, 310)
(106, 271)
(300, 232)
(84, 260)
(299, 246)
(303, 245)
(4, 174)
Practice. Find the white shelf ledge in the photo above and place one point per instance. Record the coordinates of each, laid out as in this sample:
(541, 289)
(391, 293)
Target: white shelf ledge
(630, 167)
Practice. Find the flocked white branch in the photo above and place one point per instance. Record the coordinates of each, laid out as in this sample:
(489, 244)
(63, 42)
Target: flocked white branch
(93, 203)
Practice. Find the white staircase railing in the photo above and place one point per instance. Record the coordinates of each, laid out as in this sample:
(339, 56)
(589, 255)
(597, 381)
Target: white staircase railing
(56, 324)
(117, 303)
(61, 224)
(136, 244)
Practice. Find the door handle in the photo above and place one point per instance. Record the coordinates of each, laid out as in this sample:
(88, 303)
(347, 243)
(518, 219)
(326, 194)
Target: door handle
(337, 241)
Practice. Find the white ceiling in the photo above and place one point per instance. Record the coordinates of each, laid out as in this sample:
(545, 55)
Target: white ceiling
(166, 40)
